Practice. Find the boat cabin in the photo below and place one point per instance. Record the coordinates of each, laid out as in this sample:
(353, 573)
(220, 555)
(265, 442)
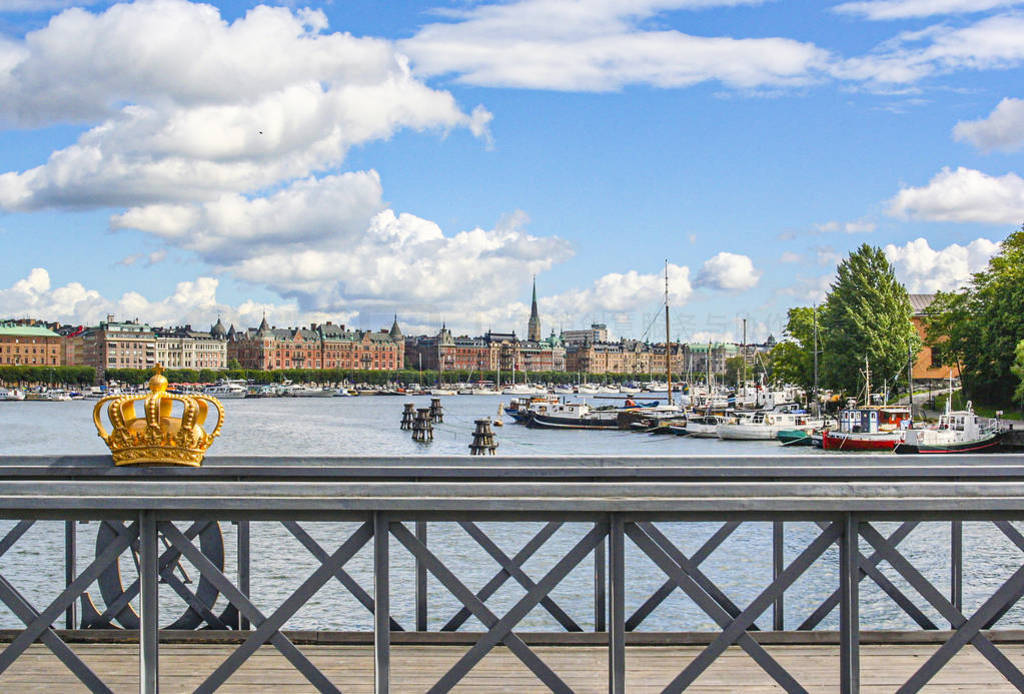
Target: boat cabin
(873, 420)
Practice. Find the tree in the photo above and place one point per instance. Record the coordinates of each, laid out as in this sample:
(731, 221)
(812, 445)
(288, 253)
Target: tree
(980, 326)
(234, 364)
(733, 368)
(792, 359)
(866, 316)
(1018, 371)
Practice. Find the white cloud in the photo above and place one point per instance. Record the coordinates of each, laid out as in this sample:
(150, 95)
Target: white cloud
(147, 259)
(186, 106)
(989, 44)
(40, 5)
(1003, 129)
(790, 257)
(597, 45)
(728, 271)
(332, 244)
(924, 270)
(809, 291)
(193, 302)
(963, 195)
(906, 9)
(859, 226)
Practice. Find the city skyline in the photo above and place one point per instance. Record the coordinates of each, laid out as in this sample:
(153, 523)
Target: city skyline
(178, 161)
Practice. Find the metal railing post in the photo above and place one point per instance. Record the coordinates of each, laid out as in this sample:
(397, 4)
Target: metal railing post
(778, 566)
(617, 596)
(600, 583)
(849, 607)
(421, 580)
(381, 606)
(956, 556)
(149, 604)
(70, 570)
(243, 568)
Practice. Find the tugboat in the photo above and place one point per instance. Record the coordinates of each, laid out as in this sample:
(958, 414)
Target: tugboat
(868, 428)
(958, 431)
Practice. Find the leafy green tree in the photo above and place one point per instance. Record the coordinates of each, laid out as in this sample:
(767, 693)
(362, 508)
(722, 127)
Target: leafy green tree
(979, 327)
(1018, 371)
(792, 359)
(866, 315)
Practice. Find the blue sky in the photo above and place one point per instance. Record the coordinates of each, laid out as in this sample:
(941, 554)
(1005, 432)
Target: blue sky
(178, 161)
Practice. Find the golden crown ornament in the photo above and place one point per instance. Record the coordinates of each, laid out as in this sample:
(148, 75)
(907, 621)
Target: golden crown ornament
(157, 437)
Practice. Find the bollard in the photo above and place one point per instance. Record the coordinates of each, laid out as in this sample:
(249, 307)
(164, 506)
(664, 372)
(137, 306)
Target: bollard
(435, 410)
(408, 416)
(422, 428)
(483, 439)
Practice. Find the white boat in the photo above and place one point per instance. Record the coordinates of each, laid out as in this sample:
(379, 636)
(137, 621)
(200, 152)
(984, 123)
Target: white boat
(302, 391)
(766, 425)
(524, 389)
(54, 395)
(11, 394)
(344, 393)
(572, 415)
(958, 431)
(443, 391)
(483, 391)
(703, 426)
(227, 390)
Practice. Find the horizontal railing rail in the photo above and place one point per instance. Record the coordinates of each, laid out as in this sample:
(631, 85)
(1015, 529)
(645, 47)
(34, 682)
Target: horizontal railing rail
(854, 512)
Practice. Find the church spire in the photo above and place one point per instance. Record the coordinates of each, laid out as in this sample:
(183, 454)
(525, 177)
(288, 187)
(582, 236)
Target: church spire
(533, 327)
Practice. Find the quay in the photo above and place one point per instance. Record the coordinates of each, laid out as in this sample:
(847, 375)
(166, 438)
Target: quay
(860, 509)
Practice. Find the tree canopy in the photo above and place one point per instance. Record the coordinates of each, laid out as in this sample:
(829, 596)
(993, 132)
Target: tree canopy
(793, 358)
(979, 327)
(866, 316)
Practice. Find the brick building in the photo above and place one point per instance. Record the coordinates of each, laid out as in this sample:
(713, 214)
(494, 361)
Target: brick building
(29, 345)
(326, 346)
(119, 345)
(927, 366)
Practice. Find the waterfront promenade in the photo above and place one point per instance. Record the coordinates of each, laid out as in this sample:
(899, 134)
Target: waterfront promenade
(631, 518)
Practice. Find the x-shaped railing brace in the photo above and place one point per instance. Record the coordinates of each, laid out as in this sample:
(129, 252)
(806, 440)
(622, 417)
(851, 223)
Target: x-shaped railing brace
(343, 576)
(734, 628)
(38, 625)
(868, 566)
(500, 629)
(967, 630)
(268, 628)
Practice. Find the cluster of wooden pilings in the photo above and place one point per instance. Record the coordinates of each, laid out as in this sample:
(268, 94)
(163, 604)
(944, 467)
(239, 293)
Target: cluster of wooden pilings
(408, 416)
(436, 413)
(483, 439)
(422, 426)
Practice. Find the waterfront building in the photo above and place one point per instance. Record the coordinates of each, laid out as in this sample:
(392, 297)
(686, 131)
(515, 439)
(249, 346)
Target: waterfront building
(119, 345)
(699, 354)
(325, 346)
(29, 345)
(598, 332)
(185, 348)
(928, 366)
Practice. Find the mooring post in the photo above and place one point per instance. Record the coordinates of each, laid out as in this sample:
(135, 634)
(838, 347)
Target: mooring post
(849, 606)
(149, 603)
(70, 570)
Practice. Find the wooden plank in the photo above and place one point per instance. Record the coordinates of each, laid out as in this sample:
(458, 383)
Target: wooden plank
(584, 668)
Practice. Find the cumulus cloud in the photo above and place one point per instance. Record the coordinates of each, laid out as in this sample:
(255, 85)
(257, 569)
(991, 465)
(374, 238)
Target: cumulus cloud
(991, 43)
(729, 272)
(1003, 129)
(595, 45)
(963, 195)
(622, 293)
(907, 9)
(333, 244)
(194, 302)
(186, 107)
(924, 270)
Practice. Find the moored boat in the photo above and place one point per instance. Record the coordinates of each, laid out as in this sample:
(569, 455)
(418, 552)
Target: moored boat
(868, 429)
(960, 431)
(573, 415)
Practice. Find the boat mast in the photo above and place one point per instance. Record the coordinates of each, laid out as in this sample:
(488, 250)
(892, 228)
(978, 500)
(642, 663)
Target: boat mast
(815, 391)
(867, 381)
(668, 340)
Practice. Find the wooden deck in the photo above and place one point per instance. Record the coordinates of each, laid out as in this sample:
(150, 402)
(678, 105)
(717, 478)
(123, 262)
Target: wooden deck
(584, 668)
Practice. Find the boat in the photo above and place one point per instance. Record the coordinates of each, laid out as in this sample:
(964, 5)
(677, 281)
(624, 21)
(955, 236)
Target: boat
(869, 428)
(443, 391)
(958, 431)
(572, 415)
(524, 389)
(11, 394)
(794, 437)
(227, 390)
(519, 408)
(704, 426)
(765, 425)
(53, 395)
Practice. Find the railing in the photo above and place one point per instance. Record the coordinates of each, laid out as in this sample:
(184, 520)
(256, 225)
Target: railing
(620, 505)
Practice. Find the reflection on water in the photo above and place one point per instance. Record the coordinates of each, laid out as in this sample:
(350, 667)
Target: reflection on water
(741, 567)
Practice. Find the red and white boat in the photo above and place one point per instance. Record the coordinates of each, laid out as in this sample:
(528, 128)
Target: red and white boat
(868, 429)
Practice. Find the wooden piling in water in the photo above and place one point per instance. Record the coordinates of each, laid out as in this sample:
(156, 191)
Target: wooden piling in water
(483, 439)
(408, 416)
(436, 413)
(422, 427)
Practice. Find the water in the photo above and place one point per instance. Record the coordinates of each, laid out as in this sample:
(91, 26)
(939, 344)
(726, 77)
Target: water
(741, 567)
